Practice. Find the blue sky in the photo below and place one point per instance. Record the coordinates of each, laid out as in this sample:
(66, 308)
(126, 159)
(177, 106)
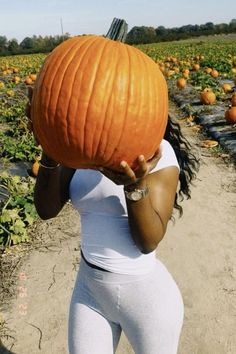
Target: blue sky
(22, 18)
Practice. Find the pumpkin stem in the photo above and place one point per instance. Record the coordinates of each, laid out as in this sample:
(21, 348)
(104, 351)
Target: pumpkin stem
(118, 30)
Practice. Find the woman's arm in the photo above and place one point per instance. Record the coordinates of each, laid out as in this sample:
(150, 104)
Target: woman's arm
(51, 188)
(52, 183)
(148, 217)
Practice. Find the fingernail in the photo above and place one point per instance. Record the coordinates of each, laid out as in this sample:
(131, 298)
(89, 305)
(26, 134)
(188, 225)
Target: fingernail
(123, 164)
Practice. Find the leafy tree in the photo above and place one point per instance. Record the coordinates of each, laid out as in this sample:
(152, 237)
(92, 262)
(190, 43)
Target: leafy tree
(13, 46)
(141, 34)
(232, 25)
(3, 44)
(161, 31)
(27, 43)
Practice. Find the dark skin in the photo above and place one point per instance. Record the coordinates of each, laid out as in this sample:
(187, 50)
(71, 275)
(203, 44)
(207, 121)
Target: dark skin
(148, 217)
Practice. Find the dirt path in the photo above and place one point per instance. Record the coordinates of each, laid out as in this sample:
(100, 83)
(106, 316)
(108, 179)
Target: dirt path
(199, 250)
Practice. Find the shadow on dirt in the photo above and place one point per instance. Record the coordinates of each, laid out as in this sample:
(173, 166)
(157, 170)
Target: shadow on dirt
(4, 350)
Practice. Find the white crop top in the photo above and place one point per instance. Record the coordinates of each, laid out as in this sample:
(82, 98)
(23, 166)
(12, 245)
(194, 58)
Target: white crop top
(105, 236)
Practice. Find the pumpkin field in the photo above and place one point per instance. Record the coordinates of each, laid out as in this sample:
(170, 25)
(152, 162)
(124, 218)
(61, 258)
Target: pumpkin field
(201, 77)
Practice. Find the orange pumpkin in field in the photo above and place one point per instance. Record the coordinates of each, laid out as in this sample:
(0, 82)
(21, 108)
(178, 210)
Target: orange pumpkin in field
(208, 70)
(33, 77)
(207, 97)
(181, 82)
(226, 88)
(233, 99)
(97, 102)
(230, 115)
(214, 73)
(195, 67)
(35, 168)
(28, 80)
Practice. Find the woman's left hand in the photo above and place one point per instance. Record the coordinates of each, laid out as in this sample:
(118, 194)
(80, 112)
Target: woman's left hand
(129, 176)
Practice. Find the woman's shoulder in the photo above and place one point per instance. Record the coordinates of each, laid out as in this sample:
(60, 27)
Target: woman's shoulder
(168, 157)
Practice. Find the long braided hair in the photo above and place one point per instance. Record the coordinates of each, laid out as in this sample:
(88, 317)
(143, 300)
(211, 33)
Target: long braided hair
(188, 163)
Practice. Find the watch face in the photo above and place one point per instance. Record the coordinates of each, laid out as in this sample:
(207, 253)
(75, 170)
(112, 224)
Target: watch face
(136, 195)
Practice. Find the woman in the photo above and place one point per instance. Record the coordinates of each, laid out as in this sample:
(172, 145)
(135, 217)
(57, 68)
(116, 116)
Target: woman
(120, 284)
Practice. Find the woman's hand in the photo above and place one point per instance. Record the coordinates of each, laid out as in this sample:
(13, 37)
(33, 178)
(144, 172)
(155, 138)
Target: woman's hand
(129, 176)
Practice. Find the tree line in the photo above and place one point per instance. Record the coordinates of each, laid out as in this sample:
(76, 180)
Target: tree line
(137, 35)
(29, 45)
(143, 34)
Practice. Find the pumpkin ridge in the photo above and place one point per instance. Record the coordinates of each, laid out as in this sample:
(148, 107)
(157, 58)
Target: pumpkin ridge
(96, 147)
(144, 89)
(126, 109)
(77, 47)
(50, 67)
(66, 131)
(155, 94)
(164, 109)
(147, 113)
(160, 106)
(138, 62)
(52, 119)
(101, 141)
(127, 90)
(70, 106)
(114, 115)
(111, 155)
(47, 74)
(85, 147)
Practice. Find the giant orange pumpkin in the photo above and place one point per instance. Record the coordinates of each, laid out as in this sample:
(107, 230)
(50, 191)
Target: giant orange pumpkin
(98, 101)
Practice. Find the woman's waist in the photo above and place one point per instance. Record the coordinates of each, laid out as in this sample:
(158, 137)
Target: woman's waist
(128, 261)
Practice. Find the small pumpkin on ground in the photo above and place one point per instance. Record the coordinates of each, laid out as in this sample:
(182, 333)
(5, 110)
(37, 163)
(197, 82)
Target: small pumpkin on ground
(33, 77)
(208, 70)
(230, 115)
(195, 67)
(35, 168)
(233, 99)
(207, 97)
(226, 88)
(214, 73)
(28, 81)
(181, 82)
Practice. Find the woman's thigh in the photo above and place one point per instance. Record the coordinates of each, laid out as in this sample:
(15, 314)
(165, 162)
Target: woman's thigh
(152, 313)
(89, 332)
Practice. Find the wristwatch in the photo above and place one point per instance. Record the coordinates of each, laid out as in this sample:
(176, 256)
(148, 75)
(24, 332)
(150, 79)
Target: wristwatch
(137, 194)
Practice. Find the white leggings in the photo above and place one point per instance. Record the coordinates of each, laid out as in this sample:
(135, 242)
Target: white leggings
(148, 308)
